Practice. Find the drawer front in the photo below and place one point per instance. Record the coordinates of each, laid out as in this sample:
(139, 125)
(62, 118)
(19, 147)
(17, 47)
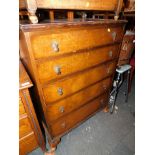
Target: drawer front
(72, 84)
(24, 127)
(71, 120)
(57, 68)
(27, 144)
(60, 41)
(67, 105)
(21, 107)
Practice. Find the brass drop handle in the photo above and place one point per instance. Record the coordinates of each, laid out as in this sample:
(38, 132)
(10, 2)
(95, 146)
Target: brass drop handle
(57, 70)
(113, 36)
(61, 109)
(60, 91)
(55, 46)
(63, 125)
(110, 53)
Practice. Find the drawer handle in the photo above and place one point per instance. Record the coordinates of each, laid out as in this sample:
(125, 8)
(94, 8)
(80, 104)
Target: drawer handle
(61, 109)
(57, 70)
(113, 36)
(63, 125)
(60, 91)
(110, 53)
(55, 46)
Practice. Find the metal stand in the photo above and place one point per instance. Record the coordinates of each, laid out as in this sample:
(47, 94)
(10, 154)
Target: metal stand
(117, 83)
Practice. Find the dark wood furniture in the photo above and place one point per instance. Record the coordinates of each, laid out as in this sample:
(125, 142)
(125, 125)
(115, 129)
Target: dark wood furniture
(30, 135)
(72, 64)
(106, 5)
(127, 48)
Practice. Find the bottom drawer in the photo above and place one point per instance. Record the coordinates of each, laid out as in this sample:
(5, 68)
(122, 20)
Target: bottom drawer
(62, 125)
(27, 144)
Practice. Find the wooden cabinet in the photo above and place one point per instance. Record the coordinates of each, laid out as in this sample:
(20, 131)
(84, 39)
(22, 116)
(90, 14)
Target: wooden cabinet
(127, 48)
(99, 5)
(30, 135)
(72, 65)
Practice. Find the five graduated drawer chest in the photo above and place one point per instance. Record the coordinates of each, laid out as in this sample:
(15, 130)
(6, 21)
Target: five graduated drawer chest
(72, 65)
(30, 135)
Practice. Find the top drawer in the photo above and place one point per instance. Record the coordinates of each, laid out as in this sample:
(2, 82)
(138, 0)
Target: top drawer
(65, 40)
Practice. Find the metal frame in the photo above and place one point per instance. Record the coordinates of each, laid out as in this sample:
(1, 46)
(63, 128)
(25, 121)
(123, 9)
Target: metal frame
(116, 85)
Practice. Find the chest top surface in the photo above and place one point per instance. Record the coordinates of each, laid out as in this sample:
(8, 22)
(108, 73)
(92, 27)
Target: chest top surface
(24, 79)
(46, 25)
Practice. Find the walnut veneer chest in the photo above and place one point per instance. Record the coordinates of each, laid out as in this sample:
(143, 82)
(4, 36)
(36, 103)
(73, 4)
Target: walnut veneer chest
(30, 135)
(72, 65)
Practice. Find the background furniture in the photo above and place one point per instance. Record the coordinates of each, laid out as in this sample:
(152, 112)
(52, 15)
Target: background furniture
(127, 48)
(30, 135)
(33, 5)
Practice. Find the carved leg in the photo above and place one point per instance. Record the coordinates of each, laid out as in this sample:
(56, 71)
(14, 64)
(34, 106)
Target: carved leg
(31, 6)
(118, 9)
(106, 109)
(32, 17)
(116, 17)
(52, 142)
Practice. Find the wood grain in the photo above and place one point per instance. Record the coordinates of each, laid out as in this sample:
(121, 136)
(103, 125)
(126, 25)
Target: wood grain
(27, 144)
(77, 82)
(24, 127)
(59, 109)
(73, 63)
(21, 107)
(126, 49)
(24, 79)
(78, 4)
(81, 114)
(42, 41)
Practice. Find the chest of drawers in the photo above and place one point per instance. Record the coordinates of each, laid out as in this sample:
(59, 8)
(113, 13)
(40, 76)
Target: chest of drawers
(30, 135)
(72, 66)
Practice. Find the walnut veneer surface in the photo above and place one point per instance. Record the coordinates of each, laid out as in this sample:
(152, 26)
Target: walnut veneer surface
(72, 65)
